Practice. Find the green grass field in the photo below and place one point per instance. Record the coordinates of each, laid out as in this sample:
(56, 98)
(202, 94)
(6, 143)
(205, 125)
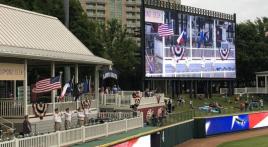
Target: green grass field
(185, 112)
(260, 141)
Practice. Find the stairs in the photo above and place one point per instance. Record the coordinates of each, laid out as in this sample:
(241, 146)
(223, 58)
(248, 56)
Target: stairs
(6, 129)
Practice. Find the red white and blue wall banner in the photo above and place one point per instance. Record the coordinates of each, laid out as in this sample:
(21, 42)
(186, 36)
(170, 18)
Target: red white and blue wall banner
(144, 141)
(226, 124)
(258, 120)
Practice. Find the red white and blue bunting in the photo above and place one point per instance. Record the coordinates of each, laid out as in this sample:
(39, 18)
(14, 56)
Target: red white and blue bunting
(85, 103)
(178, 51)
(40, 110)
(224, 53)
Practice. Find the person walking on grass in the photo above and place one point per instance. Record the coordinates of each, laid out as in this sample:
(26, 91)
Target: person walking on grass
(191, 104)
(261, 103)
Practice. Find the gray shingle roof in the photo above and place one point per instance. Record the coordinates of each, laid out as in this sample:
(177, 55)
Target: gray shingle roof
(26, 34)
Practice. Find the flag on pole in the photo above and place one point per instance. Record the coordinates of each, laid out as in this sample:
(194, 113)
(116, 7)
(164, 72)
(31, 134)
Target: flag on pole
(165, 30)
(64, 90)
(89, 83)
(181, 40)
(86, 85)
(47, 85)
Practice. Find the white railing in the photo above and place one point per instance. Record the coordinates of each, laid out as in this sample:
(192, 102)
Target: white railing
(11, 143)
(96, 131)
(127, 100)
(10, 108)
(115, 115)
(240, 90)
(47, 140)
(250, 90)
(149, 100)
(223, 90)
(7, 123)
(78, 135)
(117, 126)
(71, 136)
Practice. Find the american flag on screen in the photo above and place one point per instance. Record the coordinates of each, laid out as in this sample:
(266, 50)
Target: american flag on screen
(47, 85)
(165, 30)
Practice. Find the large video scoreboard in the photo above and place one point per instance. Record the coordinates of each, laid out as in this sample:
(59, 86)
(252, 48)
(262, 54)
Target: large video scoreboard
(188, 44)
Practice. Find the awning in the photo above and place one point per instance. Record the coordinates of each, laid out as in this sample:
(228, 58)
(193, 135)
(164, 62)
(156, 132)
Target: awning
(30, 35)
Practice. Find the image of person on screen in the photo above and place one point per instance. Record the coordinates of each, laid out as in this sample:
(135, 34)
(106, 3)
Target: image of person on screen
(201, 39)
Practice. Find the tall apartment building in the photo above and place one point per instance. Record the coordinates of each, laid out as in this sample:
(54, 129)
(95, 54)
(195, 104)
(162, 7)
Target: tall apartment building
(127, 11)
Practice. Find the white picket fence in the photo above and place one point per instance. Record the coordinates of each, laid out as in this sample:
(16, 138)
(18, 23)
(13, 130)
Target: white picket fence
(250, 90)
(127, 100)
(78, 135)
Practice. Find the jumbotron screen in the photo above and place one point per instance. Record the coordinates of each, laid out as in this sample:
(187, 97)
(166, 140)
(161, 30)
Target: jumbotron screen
(180, 44)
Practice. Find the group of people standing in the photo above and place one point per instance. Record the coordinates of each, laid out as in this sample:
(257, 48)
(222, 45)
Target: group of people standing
(82, 116)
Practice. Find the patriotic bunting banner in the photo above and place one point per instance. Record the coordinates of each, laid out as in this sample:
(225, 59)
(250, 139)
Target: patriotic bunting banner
(224, 53)
(40, 110)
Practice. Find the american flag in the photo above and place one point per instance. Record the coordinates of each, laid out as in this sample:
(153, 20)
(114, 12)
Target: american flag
(165, 30)
(47, 85)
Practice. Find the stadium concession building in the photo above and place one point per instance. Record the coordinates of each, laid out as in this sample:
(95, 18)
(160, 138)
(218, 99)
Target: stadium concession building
(31, 45)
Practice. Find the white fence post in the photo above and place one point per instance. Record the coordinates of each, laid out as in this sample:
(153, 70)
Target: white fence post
(119, 101)
(59, 140)
(105, 99)
(107, 129)
(16, 142)
(126, 124)
(120, 115)
(84, 134)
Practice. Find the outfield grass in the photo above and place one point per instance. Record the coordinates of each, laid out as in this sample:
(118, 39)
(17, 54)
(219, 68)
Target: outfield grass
(228, 103)
(260, 141)
(185, 112)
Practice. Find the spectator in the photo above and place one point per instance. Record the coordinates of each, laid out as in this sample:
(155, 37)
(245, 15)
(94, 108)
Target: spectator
(191, 104)
(179, 101)
(86, 110)
(261, 103)
(237, 99)
(182, 101)
(246, 105)
(57, 120)
(242, 106)
(68, 119)
(106, 90)
(114, 89)
(27, 127)
(81, 117)
(147, 93)
(169, 106)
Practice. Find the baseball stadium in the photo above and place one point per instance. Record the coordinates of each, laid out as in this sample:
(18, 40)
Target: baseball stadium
(55, 90)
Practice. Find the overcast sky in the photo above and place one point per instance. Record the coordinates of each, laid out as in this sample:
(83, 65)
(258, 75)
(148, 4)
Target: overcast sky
(244, 9)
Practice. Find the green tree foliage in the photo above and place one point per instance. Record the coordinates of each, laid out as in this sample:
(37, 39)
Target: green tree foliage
(121, 49)
(109, 40)
(252, 49)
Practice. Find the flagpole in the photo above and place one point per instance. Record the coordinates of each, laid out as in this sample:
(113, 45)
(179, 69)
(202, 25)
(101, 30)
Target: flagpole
(61, 81)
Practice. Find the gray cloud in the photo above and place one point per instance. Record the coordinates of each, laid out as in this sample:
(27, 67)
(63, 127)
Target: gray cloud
(244, 9)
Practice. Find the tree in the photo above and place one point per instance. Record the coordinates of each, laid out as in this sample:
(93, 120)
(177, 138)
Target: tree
(120, 48)
(252, 49)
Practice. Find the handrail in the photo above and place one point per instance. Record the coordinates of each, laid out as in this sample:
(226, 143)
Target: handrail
(7, 121)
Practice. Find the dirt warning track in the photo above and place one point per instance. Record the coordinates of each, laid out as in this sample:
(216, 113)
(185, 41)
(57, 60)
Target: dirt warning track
(216, 140)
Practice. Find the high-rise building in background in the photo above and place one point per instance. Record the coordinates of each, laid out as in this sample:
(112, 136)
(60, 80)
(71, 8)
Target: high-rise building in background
(126, 11)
